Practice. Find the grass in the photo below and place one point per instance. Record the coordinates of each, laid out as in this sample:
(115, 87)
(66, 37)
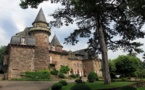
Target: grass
(100, 85)
(141, 88)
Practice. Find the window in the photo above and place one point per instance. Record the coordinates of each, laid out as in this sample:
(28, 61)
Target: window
(74, 65)
(23, 41)
(77, 65)
(53, 48)
(50, 59)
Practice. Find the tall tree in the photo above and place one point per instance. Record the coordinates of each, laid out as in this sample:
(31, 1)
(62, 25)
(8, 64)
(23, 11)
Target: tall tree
(2, 52)
(101, 20)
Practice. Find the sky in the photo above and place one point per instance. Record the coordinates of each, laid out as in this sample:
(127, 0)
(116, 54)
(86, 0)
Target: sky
(13, 19)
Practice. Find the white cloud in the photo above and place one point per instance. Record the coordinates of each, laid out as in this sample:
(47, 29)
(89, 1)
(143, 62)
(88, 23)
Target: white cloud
(3, 37)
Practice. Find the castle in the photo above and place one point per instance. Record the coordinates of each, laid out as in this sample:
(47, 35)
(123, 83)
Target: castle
(30, 50)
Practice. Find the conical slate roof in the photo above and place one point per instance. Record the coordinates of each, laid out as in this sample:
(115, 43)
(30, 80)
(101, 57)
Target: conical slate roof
(55, 41)
(40, 17)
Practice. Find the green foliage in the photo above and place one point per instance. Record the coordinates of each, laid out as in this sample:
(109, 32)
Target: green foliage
(128, 88)
(2, 52)
(39, 75)
(56, 86)
(112, 69)
(63, 82)
(64, 69)
(80, 87)
(78, 81)
(134, 74)
(125, 65)
(74, 76)
(61, 75)
(54, 71)
(92, 77)
(124, 79)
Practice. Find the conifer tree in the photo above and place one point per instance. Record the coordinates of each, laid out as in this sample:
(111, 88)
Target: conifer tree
(109, 24)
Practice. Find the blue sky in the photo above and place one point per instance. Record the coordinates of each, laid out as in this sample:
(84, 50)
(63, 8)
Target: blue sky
(13, 19)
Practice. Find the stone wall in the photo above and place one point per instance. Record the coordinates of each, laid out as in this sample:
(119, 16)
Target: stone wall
(41, 51)
(88, 66)
(58, 60)
(21, 60)
(97, 67)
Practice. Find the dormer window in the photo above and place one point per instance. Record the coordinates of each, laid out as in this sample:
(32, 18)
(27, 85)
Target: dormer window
(53, 48)
(23, 41)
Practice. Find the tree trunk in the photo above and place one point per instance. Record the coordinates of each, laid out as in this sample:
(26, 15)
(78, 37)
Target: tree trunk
(105, 65)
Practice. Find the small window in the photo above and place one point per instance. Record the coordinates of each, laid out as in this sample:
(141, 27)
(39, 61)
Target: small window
(77, 65)
(23, 41)
(74, 65)
(50, 59)
(53, 48)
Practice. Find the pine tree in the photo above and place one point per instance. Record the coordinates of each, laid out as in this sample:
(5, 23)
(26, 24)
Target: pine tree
(109, 24)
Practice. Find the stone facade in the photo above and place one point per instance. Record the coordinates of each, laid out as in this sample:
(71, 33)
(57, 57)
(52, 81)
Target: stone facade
(30, 50)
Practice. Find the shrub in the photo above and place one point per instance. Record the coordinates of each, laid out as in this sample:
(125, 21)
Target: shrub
(74, 76)
(56, 86)
(128, 88)
(39, 75)
(78, 81)
(80, 87)
(54, 71)
(124, 79)
(92, 77)
(61, 75)
(63, 82)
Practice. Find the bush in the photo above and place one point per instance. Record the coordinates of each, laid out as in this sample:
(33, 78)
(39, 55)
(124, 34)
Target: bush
(134, 74)
(80, 87)
(61, 75)
(74, 76)
(56, 86)
(39, 75)
(124, 79)
(92, 77)
(128, 88)
(78, 81)
(54, 71)
(63, 82)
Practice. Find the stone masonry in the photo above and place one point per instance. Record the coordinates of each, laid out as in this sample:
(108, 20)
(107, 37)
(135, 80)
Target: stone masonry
(30, 50)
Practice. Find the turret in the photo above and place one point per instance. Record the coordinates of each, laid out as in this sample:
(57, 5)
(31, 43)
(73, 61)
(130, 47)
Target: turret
(56, 46)
(41, 33)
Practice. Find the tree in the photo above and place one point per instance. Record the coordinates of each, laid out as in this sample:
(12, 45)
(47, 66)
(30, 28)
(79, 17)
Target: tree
(112, 69)
(2, 52)
(95, 18)
(64, 69)
(125, 65)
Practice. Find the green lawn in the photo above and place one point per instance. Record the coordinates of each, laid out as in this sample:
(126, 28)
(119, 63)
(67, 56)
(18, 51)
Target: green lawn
(101, 85)
(141, 88)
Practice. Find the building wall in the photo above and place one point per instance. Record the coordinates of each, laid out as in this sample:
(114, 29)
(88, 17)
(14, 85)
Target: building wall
(97, 67)
(41, 51)
(58, 60)
(88, 66)
(21, 59)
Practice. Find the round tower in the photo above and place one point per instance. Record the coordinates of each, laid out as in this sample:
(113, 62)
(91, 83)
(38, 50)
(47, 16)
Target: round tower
(41, 33)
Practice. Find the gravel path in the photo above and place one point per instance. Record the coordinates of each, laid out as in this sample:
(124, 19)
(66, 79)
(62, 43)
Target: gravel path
(26, 85)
